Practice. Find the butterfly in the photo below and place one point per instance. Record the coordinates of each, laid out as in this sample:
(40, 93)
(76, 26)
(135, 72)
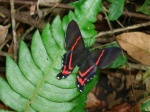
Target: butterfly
(87, 61)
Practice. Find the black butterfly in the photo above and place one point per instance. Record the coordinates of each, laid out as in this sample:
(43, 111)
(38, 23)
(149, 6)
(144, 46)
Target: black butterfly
(78, 55)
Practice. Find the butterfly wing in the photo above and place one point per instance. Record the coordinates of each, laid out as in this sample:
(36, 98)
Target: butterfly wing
(73, 40)
(69, 61)
(97, 58)
(75, 45)
(86, 72)
(103, 58)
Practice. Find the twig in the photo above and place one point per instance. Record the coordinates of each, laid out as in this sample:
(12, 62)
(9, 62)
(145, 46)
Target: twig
(38, 21)
(5, 53)
(50, 4)
(13, 29)
(104, 11)
(123, 29)
(23, 2)
(2, 15)
(136, 15)
(109, 24)
(22, 18)
(2, 45)
(135, 66)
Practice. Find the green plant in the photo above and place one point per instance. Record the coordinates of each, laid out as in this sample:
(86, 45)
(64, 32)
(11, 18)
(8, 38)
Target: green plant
(145, 8)
(32, 84)
(116, 9)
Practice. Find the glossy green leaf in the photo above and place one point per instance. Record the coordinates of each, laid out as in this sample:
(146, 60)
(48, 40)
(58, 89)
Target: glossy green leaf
(115, 10)
(32, 85)
(145, 8)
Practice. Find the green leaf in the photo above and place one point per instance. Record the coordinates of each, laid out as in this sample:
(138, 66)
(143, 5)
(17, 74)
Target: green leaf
(121, 60)
(146, 106)
(5, 110)
(32, 84)
(115, 10)
(110, 1)
(145, 8)
(85, 16)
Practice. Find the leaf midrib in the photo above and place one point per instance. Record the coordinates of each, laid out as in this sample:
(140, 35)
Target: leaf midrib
(43, 79)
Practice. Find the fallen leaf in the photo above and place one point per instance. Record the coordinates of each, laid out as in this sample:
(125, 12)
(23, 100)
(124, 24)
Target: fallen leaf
(92, 101)
(135, 108)
(3, 33)
(11, 48)
(111, 99)
(137, 45)
(123, 107)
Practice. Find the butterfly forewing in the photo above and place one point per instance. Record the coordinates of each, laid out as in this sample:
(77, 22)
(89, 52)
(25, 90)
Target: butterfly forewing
(103, 58)
(73, 40)
(75, 45)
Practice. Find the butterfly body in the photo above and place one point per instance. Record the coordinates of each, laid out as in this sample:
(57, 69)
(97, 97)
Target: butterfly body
(78, 55)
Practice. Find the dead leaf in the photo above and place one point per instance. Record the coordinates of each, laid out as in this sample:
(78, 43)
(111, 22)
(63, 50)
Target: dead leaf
(139, 93)
(136, 108)
(137, 45)
(11, 48)
(92, 101)
(123, 107)
(111, 99)
(3, 33)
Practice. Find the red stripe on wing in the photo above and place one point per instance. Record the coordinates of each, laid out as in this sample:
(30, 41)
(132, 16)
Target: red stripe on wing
(85, 73)
(70, 62)
(81, 81)
(76, 42)
(65, 71)
(99, 58)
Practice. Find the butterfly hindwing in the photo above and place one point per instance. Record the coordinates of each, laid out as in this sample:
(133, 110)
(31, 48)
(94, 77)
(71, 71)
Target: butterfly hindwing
(103, 58)
(86, 72)
(69, 61)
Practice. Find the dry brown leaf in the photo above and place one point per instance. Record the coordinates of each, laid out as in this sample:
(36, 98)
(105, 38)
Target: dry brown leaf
(92, 101)
(3, 33)
(11, 48)
(123, 107)
(137, 45)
